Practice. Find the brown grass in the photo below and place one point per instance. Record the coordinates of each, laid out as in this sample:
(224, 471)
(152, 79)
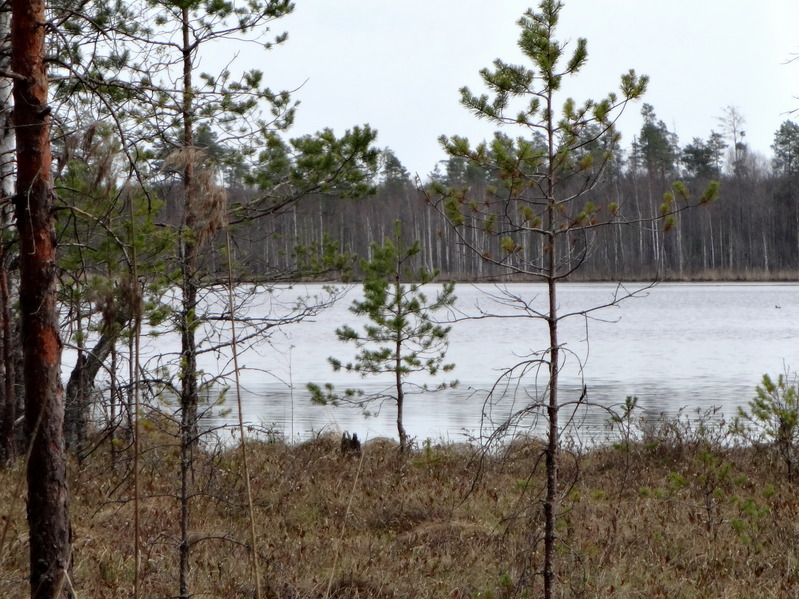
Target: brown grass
(667, 516)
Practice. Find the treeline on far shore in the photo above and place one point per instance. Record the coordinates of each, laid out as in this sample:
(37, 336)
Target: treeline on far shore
(751, 233)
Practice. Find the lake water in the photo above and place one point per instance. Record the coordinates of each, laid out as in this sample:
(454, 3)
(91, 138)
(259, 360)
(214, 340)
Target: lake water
(673, 346)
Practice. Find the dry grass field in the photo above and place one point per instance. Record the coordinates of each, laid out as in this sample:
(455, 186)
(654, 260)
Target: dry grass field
(678, 512)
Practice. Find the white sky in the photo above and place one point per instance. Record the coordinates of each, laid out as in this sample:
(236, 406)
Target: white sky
(398, 65)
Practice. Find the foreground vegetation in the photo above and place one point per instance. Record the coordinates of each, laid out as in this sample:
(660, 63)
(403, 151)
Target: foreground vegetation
(673, 509)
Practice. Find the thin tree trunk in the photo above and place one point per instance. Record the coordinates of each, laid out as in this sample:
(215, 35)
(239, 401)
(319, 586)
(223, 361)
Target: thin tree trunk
(48, 498)
(80, 386)
(188, 377)
(403, 435)
(8, 400)
(553, 434)
(8, 412)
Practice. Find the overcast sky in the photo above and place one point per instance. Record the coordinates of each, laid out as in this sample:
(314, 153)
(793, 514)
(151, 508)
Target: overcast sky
(398, 65)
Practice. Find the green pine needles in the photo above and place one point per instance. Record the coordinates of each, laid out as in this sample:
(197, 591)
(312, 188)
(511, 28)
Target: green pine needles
(401, 337)
(773, 418)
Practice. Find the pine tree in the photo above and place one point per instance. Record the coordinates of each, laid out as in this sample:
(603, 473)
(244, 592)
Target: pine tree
(48, 497)
(186, 135)
(786, 148)
(537, 221)
(98, 291)
(703, 158)
(657, 144)
(540, 217)
(401, 337)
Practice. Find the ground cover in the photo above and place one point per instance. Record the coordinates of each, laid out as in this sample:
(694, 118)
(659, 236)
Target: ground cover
(678, 510)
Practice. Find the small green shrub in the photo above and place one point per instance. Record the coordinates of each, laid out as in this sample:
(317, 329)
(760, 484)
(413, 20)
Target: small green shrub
(773, 418)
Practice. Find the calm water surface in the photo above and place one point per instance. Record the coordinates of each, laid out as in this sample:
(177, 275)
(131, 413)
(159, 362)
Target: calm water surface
(673, 346)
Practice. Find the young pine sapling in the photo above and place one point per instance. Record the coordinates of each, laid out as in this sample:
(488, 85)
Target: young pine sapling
(401, 337)
(773, 417)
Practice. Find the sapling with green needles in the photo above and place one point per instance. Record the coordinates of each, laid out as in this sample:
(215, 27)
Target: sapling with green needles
(401, 336)
(773, 417)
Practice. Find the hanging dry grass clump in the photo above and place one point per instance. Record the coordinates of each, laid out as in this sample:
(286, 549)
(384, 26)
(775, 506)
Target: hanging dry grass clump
(97, 146)
(206, 200)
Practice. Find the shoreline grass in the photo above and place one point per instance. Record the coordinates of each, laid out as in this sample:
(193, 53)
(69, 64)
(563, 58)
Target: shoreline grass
(678, 511)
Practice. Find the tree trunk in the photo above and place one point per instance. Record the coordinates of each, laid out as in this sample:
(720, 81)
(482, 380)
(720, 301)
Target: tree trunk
(80, 387)
(403, 435)
(188, 377)
(552, 407)
(8, 400)
(8, 412)
(48, 499)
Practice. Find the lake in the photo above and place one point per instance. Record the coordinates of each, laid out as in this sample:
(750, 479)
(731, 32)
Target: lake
(673, 346)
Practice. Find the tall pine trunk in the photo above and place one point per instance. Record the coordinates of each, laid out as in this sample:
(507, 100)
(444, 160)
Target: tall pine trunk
(8, 400)
(48, 500)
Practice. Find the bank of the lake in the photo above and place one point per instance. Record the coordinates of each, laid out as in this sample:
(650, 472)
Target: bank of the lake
(679, 513)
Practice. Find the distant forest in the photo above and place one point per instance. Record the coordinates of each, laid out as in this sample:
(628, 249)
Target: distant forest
(750, 233)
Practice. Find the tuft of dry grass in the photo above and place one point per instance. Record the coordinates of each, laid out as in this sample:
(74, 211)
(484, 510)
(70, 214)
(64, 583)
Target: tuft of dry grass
(665, 515)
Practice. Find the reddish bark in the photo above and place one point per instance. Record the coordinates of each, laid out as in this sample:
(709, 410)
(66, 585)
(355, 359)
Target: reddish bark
(48, 501)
